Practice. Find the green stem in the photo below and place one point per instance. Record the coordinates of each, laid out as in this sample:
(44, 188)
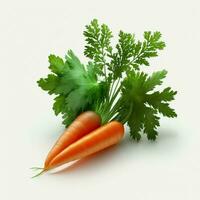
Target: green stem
(103, 60)
(115, 88)
(111, 89)
(115, 95)
(105, 75)
(114, 111)
(109, 110)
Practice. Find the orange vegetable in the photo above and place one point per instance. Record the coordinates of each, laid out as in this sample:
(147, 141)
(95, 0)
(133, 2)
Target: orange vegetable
(93, 142)
(97, 140)
(82, 125)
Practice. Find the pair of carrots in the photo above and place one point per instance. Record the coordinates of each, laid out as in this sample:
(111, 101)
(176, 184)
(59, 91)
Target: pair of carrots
(83, 137)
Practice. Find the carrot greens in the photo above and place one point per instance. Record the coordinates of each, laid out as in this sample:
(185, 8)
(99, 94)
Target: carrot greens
(112, 83)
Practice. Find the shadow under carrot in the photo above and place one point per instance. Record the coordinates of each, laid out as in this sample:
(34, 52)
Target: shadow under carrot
(89, 160)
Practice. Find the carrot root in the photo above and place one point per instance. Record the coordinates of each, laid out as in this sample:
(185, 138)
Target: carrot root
(83, 137)
(95, 141)
(81, 126)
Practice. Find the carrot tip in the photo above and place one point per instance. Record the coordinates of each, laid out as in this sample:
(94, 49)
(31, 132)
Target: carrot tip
(40, 173)
(42, 170)
(36, 168)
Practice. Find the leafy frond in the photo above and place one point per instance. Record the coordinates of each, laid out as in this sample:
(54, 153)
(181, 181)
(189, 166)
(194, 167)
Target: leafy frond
(74, 84)
(112, 82)
(138, 90)
(98, 43)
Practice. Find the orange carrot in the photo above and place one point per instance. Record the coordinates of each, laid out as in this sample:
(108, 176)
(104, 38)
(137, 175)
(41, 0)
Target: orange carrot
(93, 142)
(82, 125)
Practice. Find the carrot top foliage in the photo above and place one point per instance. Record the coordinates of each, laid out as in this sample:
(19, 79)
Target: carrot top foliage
(112, 83)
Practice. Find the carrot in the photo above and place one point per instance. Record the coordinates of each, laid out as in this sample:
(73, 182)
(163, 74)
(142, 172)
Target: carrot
(82, 125)
(95, 141)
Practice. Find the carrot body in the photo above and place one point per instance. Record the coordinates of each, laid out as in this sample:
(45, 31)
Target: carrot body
(93, 142)
(82, 125)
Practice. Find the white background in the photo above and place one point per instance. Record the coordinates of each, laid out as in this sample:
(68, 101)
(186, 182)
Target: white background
(166, 169)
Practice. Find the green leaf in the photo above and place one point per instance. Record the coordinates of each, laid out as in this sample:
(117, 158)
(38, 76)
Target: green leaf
(76, 86)
(147, 35)
(73, 61)
(97, 46)
(49, 84)
(155, 41)
(59, 104)
(164, 109)
(151, 122)
(148, 48)
(158, 101)
(122, 58)
(140, 105)
(136, 122)
(154, 80)
(136, 127)
(168, 94)
(57, 65)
